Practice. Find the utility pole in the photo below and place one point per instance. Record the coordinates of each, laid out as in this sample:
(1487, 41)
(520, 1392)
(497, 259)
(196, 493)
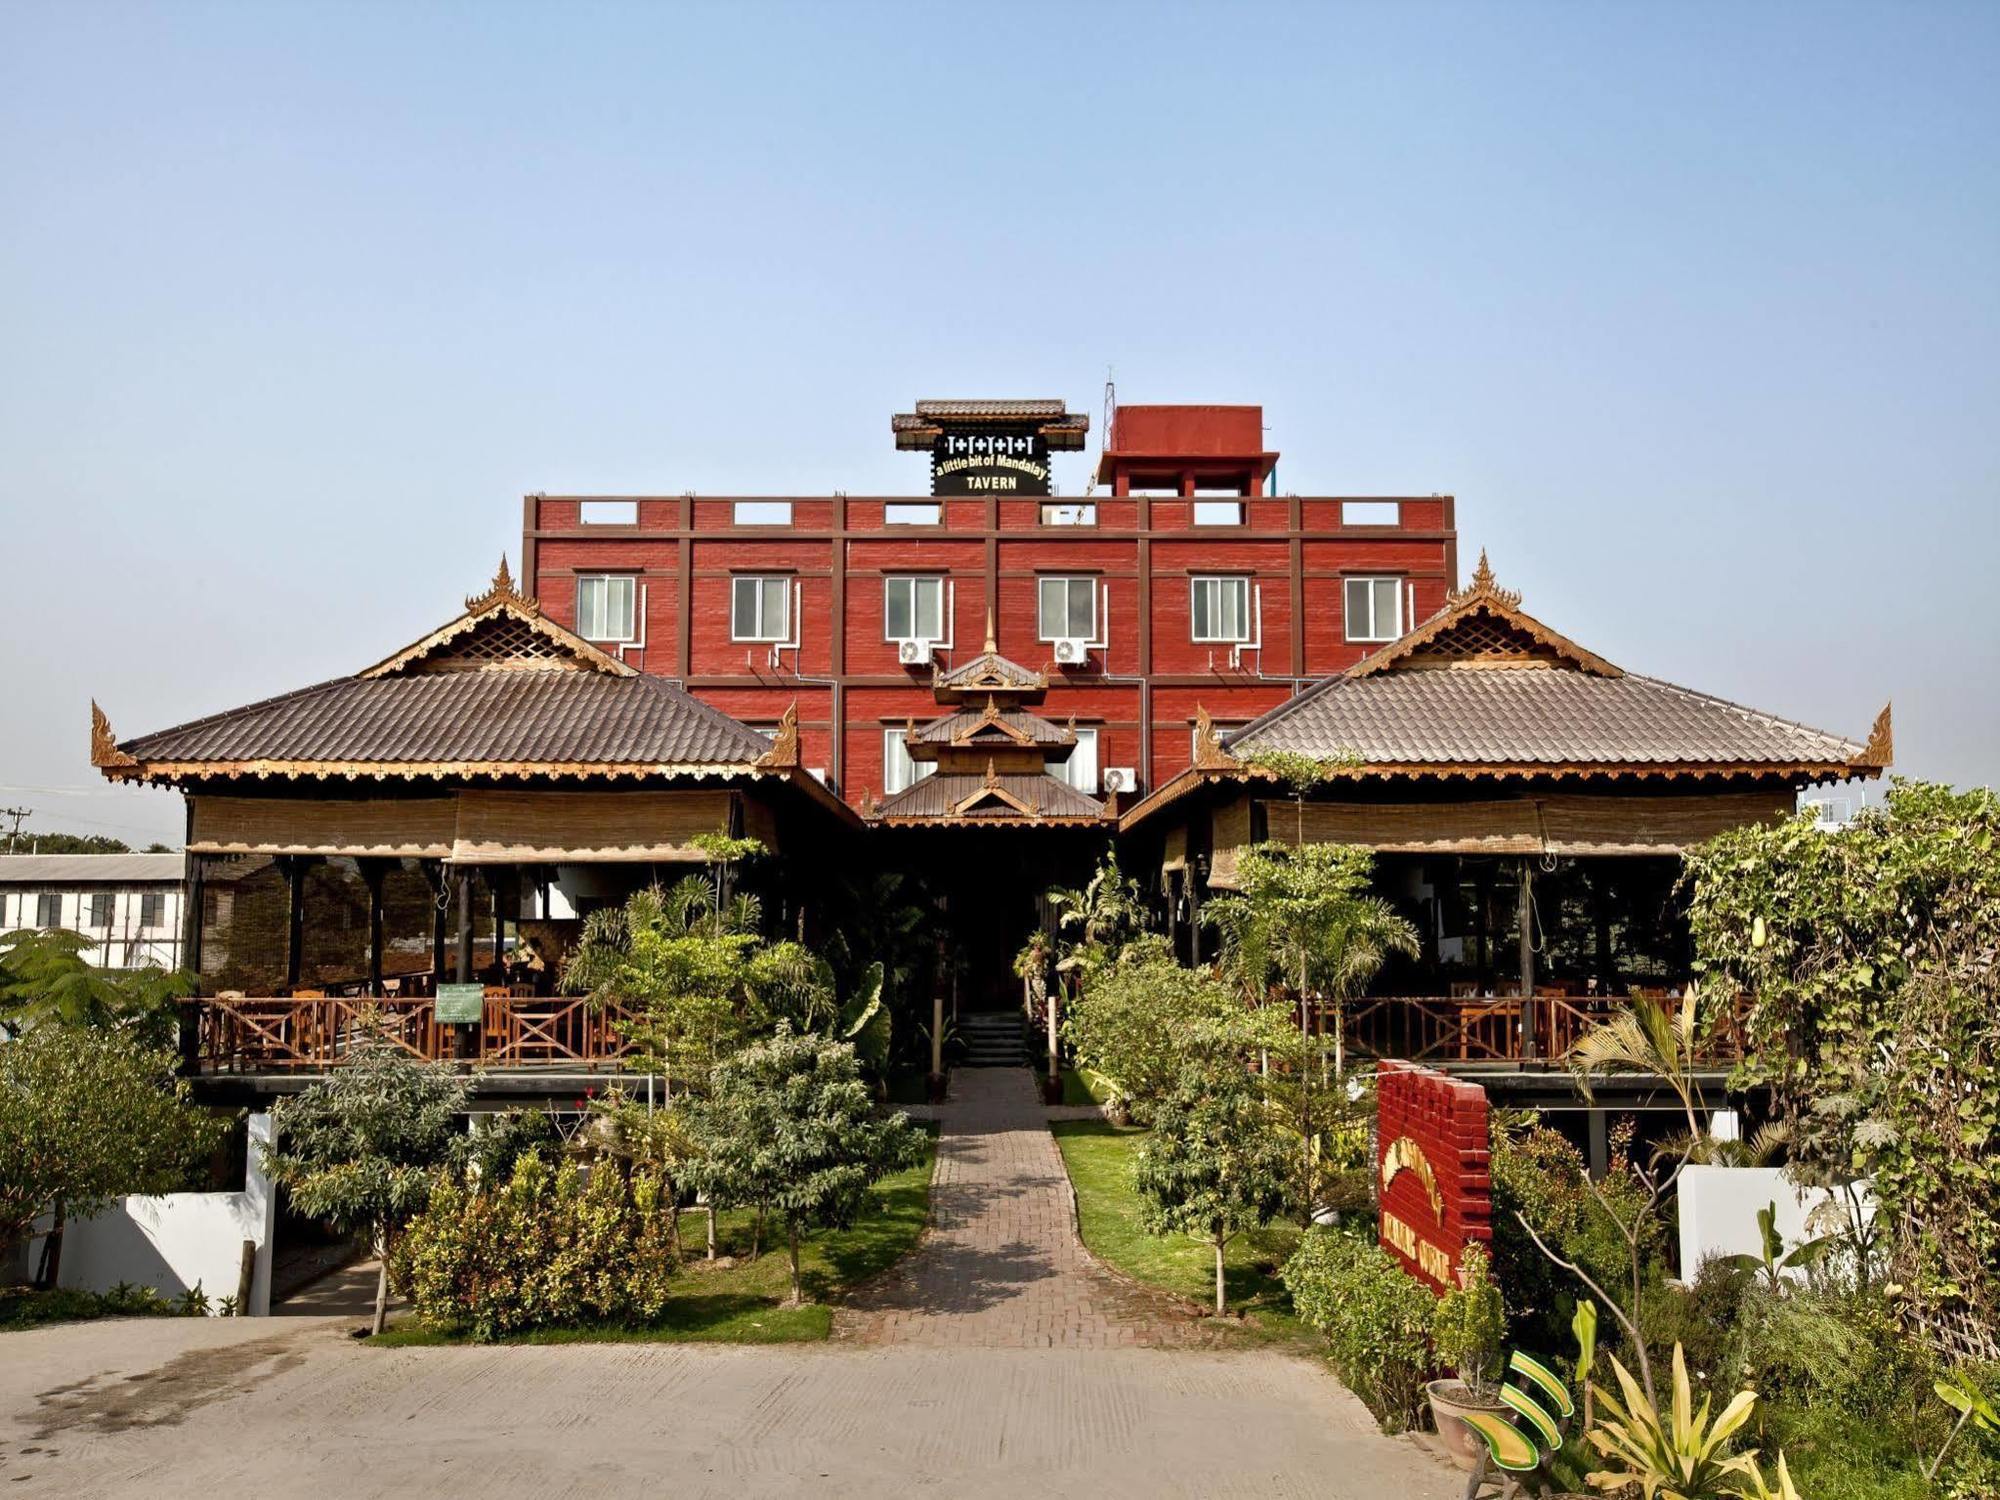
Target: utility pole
(17, 814)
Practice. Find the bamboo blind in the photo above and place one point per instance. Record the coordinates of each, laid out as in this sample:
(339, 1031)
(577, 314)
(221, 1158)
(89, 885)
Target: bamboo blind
(1561, 824)
(410, 827)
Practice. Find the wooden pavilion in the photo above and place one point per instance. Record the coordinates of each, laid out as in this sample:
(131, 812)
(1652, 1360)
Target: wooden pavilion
(1527, 801)
(450, 813)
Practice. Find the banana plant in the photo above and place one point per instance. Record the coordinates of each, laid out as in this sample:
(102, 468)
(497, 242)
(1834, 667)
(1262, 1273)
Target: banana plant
(1972, 1406)
(1773, 1259)
(864, 1022)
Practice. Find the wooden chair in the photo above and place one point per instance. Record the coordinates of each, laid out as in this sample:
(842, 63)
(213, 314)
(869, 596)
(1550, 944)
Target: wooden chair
(1489, 1029)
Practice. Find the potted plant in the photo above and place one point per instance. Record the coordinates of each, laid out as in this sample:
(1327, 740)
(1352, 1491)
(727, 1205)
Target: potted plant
(1469, 1324)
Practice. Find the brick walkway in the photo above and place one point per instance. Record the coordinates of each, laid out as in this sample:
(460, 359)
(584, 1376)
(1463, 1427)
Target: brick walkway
(1002, 1267)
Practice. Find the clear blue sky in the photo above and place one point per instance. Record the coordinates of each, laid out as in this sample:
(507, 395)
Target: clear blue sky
(1694, 307)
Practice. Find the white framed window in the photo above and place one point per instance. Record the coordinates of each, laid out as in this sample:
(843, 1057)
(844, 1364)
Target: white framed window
(762, 512)
(604, 606)
(608, 512)
(899, 772)
(100, 909)
(1218, 513)
(1068, 608)
(152, 909)
(1080, 770)
(760, 608)
(1374, 609)
(1069, 513)
(912, 513)
(913, 608)
(1220, 608)
(48, 909)
(1371, 512)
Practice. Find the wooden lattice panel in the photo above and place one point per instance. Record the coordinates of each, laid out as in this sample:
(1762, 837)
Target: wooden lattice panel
(499, 644)
(1483, 638)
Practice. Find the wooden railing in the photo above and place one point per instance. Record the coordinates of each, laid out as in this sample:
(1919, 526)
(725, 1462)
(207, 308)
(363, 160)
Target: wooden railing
(1496, 1028)
(263, 1034)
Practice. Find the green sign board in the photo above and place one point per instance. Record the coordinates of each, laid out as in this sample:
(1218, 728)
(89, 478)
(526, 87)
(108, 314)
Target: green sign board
(460, 1004)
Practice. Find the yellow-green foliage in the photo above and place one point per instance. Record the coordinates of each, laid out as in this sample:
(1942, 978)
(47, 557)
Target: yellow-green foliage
(543, 1249)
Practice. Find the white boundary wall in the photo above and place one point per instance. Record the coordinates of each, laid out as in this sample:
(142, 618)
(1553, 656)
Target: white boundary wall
(175, 1240)
(1719, 1208)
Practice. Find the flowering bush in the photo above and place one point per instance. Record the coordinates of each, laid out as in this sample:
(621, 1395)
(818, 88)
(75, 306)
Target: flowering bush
(544, 1249)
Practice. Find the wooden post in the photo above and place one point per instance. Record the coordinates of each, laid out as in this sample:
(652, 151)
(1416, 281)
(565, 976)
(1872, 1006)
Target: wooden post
(499, 922)
(1530, 1016)
(372, 874)
(295, 925)
(1194, 912)
(937, 1039)
(464, 974)
(1055, 1056)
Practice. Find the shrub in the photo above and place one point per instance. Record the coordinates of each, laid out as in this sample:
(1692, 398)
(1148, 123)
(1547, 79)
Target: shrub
(1376, 1318)
(1704, 1318)
(1540, 1175)
(1140, 1021)
(1471, 1321)
(545, 1249)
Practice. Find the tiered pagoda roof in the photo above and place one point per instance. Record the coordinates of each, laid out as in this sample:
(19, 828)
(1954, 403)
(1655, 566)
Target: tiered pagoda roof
(992, 754)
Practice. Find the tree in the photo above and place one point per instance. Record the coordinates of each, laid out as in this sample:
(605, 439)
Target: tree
(790, 1126)
(87, 1115)
(1307, 919)
(1143, 1020)
(1869, 960)
(45, 979)
(32, 842)
(364, 1146)
(1213, 1166)
(1098, 920)
(680, 959)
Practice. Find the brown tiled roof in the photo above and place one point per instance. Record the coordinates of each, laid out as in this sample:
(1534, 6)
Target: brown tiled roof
(542, 718)
(996, 410)
(1064, 429)
(498, 689)
(988, 671)
(944, 798)
(1030, 729)
(1528, 717)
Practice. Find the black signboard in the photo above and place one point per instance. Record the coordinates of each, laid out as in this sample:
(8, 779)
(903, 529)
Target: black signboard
(982, 461)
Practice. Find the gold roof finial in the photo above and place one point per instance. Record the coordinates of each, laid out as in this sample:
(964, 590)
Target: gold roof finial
(992, 637)
(992, 776)
(104, 751)
(502, 591)
(1484, 586)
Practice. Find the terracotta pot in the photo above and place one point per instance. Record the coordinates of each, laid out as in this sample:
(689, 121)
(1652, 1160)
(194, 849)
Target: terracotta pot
(1448, 1399)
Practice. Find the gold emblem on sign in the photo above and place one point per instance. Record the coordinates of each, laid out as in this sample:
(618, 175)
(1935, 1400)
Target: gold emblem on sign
(1404, 1152)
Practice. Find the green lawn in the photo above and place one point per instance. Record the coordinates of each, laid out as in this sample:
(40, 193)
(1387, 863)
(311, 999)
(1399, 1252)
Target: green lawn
(1099, 1157)
(1081, 1086)
(741, 1301)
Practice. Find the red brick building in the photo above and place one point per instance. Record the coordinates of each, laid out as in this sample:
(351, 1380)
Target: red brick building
(1183, 579)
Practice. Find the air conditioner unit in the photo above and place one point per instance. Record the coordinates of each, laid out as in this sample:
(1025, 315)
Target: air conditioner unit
(1072, 651)
(1120, 779)
(915, 653)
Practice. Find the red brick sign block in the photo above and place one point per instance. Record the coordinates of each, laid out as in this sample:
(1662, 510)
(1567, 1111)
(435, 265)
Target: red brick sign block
(1433, 1160)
